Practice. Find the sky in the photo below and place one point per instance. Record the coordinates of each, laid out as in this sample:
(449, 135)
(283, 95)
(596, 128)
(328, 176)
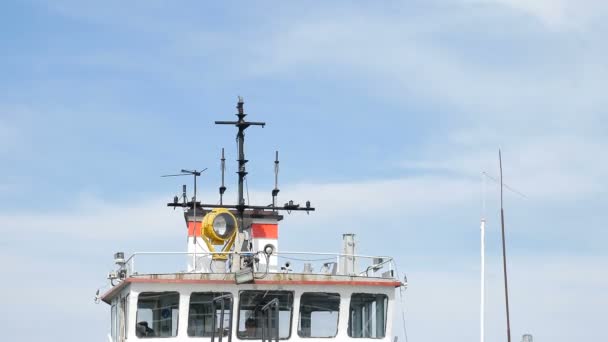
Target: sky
(385, 114)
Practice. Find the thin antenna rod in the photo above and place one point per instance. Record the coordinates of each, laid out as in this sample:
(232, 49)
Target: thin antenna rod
(482, 311)
(504, 252)
(195, 173)
(223, 167)
(276, 190)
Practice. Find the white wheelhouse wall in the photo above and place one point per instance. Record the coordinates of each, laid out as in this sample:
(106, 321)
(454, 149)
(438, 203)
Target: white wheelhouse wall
(185, 291)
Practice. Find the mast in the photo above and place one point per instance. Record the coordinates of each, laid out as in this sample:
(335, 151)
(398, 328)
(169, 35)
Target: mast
(504, 252)
(245, 212)
(242, 125)
(483, 265)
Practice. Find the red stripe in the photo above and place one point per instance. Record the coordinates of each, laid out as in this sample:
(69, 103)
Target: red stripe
(192, 230)
(265, 231)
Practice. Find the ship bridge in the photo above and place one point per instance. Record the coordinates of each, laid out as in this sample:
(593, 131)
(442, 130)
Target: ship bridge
(308, 296)
(234, 282)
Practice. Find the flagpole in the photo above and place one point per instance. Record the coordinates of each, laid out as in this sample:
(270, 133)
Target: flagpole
(483, 266)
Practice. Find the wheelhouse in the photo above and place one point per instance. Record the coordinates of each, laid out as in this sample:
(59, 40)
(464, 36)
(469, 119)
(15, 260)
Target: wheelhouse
(274, 306)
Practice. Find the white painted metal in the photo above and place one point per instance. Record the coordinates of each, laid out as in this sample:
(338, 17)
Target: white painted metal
(185, 291)
(199, 259)
(348, 261)
(483, 291)
(315, 258)
(482, 295)
(187, 282)
(258, 245)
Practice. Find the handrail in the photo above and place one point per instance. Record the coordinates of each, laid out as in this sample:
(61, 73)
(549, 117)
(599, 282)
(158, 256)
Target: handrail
(387, 260)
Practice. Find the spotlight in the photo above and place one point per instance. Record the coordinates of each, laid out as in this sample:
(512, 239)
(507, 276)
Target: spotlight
(219, 225)
(269, 249)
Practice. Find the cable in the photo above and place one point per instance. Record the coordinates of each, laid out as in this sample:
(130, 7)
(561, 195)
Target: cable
(505, 185)
(267, 265)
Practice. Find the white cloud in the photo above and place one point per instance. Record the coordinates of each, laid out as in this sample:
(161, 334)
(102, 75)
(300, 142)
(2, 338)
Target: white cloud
(544, 168)
(549, 297)
(556, 14)
(443, 284)
(95, 219)
(405, 60)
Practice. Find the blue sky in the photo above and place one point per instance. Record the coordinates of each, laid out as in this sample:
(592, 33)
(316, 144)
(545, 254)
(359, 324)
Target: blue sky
(392, 107)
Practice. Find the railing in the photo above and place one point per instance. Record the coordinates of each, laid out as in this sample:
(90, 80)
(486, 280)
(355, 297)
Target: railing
(282, 262)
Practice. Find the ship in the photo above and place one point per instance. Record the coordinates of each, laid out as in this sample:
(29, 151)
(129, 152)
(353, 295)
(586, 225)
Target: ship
(234, 282)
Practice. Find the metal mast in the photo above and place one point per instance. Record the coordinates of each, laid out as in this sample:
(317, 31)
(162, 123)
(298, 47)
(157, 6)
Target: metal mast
(244, 210)
(504, 253)
(242, 125)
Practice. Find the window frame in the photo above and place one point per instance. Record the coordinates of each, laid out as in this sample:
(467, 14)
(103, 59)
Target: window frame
(231, 323)
(385, 299)
(337, 311)
(177, 316)
(238, 320)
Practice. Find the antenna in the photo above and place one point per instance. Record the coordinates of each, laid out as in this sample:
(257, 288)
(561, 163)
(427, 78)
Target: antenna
(242, 125)
(276, 190)
(195, 173)
(223, 168)
(505, 185)
(252, 210)
(504, 253)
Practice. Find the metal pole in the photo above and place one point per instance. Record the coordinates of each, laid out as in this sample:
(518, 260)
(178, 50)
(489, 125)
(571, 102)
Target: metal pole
(221, 320)
(194, 223)
(213, 321)
(483, 266)
(241, 139)
(222, 188)
(504, 253)
(483, 271)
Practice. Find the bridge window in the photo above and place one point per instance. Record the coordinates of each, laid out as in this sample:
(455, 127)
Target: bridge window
(205, 316)
(157, 314)
(319, 314)
(258, 314)
(367, 315)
